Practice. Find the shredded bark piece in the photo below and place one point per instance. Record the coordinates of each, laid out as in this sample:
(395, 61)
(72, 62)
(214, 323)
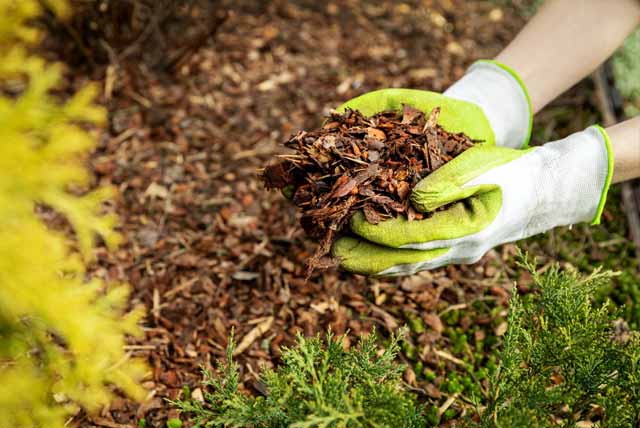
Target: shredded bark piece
(362, 163)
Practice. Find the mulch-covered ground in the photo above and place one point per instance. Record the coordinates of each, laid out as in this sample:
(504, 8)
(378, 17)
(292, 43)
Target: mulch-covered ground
(208, 250)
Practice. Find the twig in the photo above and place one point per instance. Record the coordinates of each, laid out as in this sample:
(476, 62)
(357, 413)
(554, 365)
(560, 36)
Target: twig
(447, 404)
(185, 285)
(154, 24)
(187, 50)
(453, 308)
(448, 356)
(75, 36)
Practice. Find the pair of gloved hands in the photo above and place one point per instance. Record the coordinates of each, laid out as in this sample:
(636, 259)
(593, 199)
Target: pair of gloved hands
(501, 190)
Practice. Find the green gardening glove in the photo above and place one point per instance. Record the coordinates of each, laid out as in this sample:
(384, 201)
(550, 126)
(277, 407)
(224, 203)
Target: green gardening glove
(455, 116)
(489, 104)
(492, 195)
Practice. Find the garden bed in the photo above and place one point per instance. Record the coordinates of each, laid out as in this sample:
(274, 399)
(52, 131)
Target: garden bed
(207, 249)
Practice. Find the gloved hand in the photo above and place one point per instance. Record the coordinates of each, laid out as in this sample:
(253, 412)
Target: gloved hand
(489, 103)
(499, 195)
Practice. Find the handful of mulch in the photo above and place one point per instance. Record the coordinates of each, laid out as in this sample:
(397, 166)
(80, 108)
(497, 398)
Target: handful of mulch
(361, 163)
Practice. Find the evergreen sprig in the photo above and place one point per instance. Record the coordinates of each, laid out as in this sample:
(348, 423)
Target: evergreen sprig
(320, 384)
(565, 362)
(564, 359)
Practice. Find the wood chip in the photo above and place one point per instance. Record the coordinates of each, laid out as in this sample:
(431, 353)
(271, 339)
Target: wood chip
(253, 335)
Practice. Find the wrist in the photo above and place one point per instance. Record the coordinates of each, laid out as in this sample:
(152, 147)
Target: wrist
(503, 98)
(625, 142)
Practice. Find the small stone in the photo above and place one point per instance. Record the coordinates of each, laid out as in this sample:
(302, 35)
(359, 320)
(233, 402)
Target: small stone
(455, 48)
(496, 15)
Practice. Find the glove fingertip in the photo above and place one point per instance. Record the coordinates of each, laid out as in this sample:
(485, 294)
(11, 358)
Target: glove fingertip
(426, 200)
(359, 224)
(343, 246)
(390, 232)
(366, 258)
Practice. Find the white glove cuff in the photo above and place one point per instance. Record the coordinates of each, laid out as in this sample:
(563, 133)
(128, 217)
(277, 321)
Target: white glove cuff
(576, 176)
(503, 98)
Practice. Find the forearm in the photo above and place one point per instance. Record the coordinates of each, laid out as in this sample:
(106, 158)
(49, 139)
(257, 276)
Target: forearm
(625, 142)
(566, 41)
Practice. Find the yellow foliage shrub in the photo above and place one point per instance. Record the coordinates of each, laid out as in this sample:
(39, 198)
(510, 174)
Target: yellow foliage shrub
(62, 335)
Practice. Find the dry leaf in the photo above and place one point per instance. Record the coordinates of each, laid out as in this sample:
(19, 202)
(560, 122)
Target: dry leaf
(433, 321)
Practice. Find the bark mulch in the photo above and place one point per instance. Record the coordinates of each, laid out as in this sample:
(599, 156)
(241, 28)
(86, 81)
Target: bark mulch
(363, 163)
(207, 249)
